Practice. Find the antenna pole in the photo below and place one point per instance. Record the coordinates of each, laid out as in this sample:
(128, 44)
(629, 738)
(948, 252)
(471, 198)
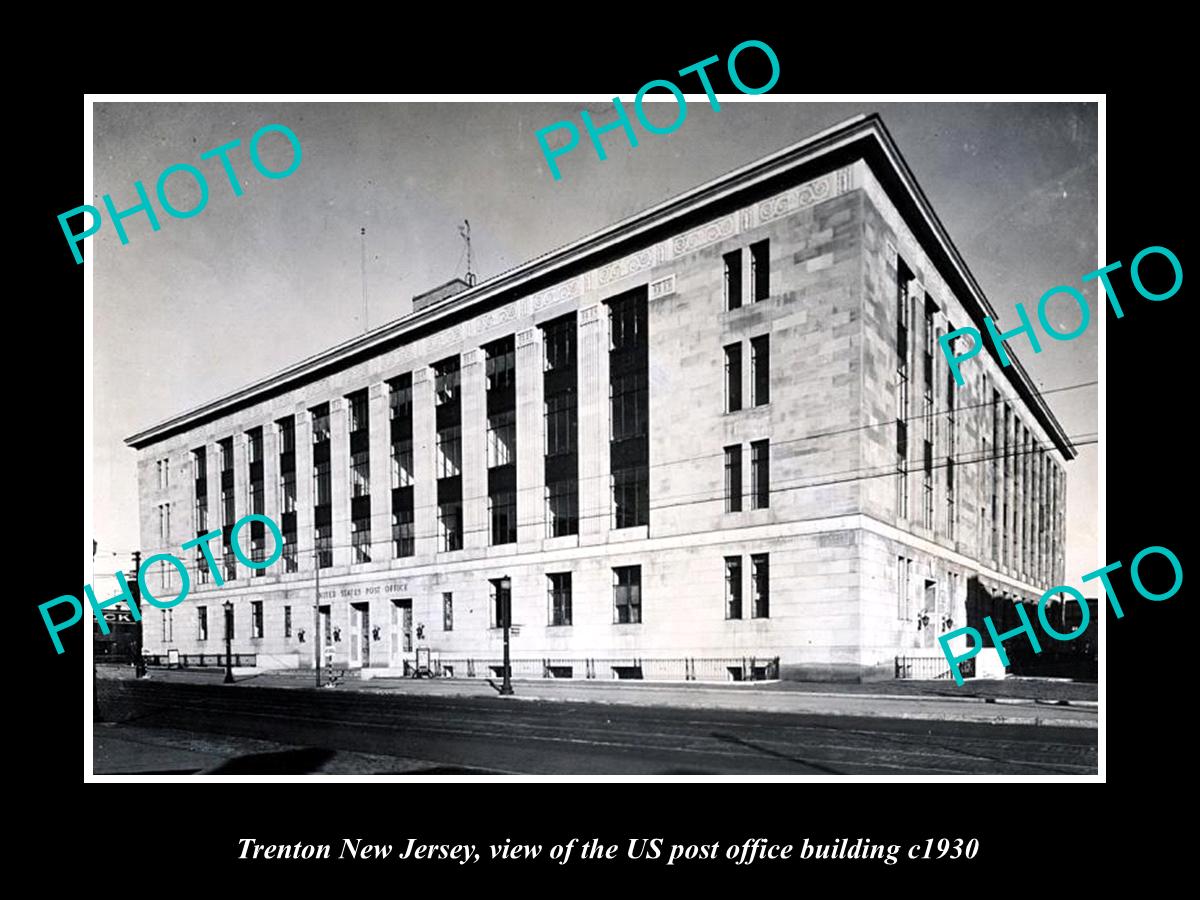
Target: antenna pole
(364, 277)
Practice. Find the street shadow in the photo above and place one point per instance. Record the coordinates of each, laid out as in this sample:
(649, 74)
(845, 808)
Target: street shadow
(301, 761)
(767, 751)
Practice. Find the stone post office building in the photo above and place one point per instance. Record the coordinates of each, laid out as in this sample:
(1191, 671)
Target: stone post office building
(715, 440)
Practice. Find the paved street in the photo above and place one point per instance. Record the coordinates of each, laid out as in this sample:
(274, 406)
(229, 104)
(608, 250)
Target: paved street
(400, 731)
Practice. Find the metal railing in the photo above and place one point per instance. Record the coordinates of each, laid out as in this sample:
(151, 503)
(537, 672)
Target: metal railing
(691, 668)
(931, 668)
(202, 660)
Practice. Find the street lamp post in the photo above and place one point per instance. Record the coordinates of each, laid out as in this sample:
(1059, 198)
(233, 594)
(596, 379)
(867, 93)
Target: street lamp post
(228, 642)
(506, 610)
(318, 638)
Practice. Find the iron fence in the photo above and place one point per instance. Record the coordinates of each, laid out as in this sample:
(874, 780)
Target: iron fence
(691, 668)
(202, 660)
(931, 668)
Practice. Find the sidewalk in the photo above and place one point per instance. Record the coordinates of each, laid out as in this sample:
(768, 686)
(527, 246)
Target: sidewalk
(1011, 701)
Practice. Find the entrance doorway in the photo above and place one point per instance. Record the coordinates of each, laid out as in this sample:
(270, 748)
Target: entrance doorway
(324, 642)
(360, 635)
(401, 631)
(932, 612)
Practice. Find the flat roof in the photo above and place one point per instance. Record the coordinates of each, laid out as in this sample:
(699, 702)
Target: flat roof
(860, 137)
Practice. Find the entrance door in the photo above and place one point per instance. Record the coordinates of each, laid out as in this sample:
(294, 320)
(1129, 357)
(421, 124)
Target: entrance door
(360, 635)
(324, 636)
(931, 611)
(401, 631)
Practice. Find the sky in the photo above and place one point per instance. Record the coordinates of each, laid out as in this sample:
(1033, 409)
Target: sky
(254, 283)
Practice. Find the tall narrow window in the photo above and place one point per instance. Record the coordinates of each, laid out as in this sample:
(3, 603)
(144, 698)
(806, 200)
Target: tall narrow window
(760, 576)
(256, 608)
(287, 621)
(502, 439)
(760, 370)
(629, 405)
(760, 270)
(631, 498)
(202, 623)
(324, 545)
(561, 423)
(360, 474)
(559, 586)
(733, 587)
(760, 475)
(449, 452)
(904, 279)
(360, 539)
(951, 451)
(447, 611)
(903, 575)
(402, 463)
(733, 377)
(562, 508)
(627, 594)
(445, 381)
(733, 478)
(503, 511)
(403, 531)
(733, 279)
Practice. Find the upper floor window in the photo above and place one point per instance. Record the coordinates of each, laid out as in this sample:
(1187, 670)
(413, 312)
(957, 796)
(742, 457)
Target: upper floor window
(502, 439)
(560, 344)
(560, 423)
(400, 397)
(287, 435)
(629, 405)
(358, 411)
(445, 380)
(760, 475)
(628, 320)
(500, 364)
(733, 279)
(733, 377)
(254, 445)
(449, 452)
(760, 270)
(760, 370)
(320, 423)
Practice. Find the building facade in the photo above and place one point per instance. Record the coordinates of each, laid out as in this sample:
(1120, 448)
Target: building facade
(712, 436)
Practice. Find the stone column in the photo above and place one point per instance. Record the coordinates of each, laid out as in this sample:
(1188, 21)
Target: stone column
(339, 467)
(241, 499)
(305, 536)
(473, 406)
(595, 505)
(531, 466)
(424, 463)
(217, 546)
(381, 469)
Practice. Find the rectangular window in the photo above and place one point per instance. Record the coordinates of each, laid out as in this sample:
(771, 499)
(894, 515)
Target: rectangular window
(450, 526)
(733, 279)
(291, 559)
(561, 423)
(164, 576)
(627, 317)
(199, 467)
(404, 534)
(287, 435)
(358, 411)
(322, 485)
(445, 381)
(324, 546)
(449, 452)
(254, 446)
(733, 478)
(164, 522)
(447, 611)
(360, 540)
(202, 623)
(360, 474)
(562, 508)
(502, 439)
(560, 345)
(201, 564)
(627, 594)
(733, 587)
(400, 397)
(902, 605)
(631, 497)
(733, 377)
(500, 364)
(320, 423)
(502, 509)
(760, 270)
(287, 621)
(629, 405)
(256, 607)
(287, 492)
(760, 576)
(257, 496)
(230, 565)
(760, 475)
(402, 463)
(560, 597)
(760, 370)
(200, 514)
